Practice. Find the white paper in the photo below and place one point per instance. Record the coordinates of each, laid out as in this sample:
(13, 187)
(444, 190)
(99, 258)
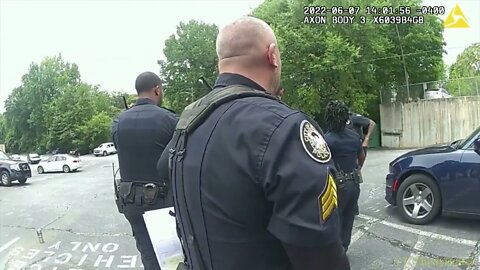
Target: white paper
(163, 234)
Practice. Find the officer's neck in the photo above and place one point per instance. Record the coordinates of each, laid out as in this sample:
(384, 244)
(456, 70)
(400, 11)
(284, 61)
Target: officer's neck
(149, 96)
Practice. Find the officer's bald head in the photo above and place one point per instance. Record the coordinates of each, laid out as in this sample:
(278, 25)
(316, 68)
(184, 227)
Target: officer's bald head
(149, 85)
(249, 47)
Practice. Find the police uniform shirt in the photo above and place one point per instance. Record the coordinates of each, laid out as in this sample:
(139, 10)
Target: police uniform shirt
(140, 135)
(264, 172)
(345, 147)
(359, 124)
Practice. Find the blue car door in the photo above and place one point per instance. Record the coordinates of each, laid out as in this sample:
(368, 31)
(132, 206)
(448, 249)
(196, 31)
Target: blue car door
(469, 175)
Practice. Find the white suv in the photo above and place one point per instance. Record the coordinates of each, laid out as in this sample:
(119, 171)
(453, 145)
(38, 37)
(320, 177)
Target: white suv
(105, 149)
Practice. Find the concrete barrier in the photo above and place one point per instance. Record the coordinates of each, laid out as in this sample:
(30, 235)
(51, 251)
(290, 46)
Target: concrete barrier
(428, 122)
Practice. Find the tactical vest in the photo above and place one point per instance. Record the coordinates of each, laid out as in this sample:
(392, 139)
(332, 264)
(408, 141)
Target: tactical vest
(192, 117)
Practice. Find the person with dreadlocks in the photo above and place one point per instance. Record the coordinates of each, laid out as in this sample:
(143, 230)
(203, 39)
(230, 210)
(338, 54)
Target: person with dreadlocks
(348, 157)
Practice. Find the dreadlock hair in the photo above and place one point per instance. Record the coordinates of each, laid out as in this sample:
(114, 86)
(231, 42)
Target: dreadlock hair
(336, 116)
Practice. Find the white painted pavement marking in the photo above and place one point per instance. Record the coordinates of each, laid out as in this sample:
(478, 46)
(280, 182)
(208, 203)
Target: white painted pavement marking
(357, 235)
(7, 245)
(420, 232)
(412, 260)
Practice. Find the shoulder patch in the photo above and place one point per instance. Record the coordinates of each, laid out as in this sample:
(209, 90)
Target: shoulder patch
(313, 143)
(328, 199)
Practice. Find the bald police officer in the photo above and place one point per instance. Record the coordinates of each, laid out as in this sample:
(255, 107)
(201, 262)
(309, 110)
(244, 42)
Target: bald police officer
(348, 156)
(252, 178)
(140, 135)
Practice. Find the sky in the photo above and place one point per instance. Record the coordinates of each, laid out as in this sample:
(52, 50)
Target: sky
(112, 41)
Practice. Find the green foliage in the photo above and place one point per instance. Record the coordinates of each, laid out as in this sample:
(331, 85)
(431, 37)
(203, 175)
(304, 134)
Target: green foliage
(2, 129)
(189, 54)
(95, 131)
(466, 66)
(53, 108)
(352, 63)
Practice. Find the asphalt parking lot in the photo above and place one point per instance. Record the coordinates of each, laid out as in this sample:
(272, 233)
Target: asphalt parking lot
(81, 228)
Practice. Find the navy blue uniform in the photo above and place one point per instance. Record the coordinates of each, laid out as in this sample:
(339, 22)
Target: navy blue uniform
(266, 182)
(345, 147)
(359, 124)
(140, 135)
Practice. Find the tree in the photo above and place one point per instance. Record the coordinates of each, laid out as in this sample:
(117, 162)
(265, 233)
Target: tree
(26, 106)
(467, 66)
(53, 108)
(189, 54)
(67, 119)
(95, 131)
(351, 62)
(2, 129)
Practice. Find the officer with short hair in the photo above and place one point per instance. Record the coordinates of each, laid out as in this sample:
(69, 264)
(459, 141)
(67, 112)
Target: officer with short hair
(140, 135)
(348, 157)
(252, 178)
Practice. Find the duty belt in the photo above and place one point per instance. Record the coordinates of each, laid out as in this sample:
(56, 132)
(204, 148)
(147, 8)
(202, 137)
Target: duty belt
(354, 176)
(343, 177)
(142, 193)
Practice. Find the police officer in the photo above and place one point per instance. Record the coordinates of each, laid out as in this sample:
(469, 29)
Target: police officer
(252, 178)
(348, 157)
(140, 135)
(364, 127)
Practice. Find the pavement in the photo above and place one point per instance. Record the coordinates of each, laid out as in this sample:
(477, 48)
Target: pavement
(81, 228)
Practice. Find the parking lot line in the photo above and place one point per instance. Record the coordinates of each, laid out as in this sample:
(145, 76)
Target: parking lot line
(419, 232)
(8, 244)
(357, 235)
(412, 260)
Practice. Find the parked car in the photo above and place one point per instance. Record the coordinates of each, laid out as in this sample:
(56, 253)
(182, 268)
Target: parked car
(11, 170)
(33, 158)
(105, 149)
(437, 93)
(15, 157)
(59, 163)
(442, 178)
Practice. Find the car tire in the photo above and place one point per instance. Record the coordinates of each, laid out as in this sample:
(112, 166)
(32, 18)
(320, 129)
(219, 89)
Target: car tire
(40, 170)
(66, 169)
(22, 181)
(419, 199)
(5, 178)
(105, 153)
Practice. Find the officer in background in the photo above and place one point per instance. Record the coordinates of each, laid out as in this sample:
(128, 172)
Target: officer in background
(348, 157)
(140, 135)
(363, 126)
(252, 178)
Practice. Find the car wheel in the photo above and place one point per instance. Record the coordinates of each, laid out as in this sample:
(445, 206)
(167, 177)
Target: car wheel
(104, 153)
(418, 199)
(22, 181)
(5, 178)
(66, 169)
(40, 170)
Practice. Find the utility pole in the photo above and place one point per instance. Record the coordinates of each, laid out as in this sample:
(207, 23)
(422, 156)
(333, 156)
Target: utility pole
(403, 59)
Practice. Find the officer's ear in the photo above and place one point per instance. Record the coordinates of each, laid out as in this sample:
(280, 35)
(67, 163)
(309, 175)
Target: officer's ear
(158, 91)
(272, 56)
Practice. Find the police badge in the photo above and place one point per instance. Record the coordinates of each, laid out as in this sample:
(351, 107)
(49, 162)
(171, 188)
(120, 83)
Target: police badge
(313, 143)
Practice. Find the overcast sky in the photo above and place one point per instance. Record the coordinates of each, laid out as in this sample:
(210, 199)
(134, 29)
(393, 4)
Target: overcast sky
(113, 41)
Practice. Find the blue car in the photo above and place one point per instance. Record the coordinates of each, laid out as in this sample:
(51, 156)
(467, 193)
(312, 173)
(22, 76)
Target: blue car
(438, 179)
